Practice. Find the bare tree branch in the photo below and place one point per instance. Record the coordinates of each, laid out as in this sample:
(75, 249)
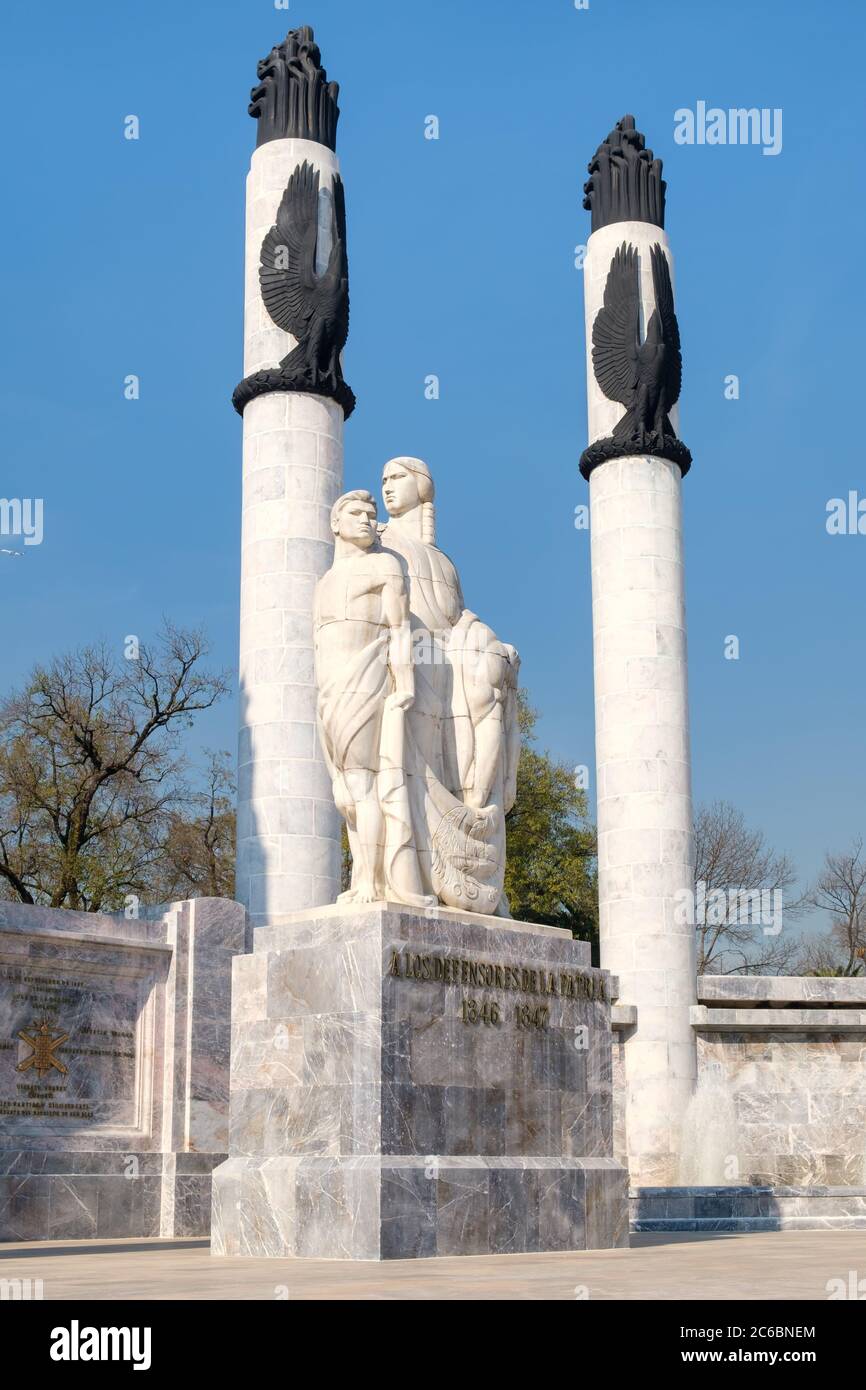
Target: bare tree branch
(840, 891)
(732, 863)
(92, 775)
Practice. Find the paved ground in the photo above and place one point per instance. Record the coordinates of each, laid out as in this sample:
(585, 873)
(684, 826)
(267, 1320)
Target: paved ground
(776, 1265)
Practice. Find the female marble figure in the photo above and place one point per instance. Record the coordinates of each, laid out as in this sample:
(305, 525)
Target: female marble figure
(463, 739)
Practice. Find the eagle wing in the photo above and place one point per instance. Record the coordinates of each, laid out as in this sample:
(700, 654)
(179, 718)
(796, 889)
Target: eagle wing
(664, 294)
(616, 331)
(287, 269)
(339, 196)
(339, 230)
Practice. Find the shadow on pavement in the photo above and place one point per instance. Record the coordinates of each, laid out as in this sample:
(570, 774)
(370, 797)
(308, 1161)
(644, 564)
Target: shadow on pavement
(86, 1247)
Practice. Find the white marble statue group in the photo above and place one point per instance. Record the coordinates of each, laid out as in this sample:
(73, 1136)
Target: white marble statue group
(417, 707)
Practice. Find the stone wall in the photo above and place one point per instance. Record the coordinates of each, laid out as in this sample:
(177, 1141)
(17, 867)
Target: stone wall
(114, 1068)
(791, 1054)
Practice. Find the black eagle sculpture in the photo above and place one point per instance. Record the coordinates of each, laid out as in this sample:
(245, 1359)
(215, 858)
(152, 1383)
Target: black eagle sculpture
(313, 307)
(645, 376)
(310, 303)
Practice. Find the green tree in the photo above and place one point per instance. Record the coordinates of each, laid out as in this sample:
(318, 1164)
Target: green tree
(550, 873)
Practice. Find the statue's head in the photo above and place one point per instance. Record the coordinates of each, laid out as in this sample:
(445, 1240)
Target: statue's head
(406, 483)
(353, 518)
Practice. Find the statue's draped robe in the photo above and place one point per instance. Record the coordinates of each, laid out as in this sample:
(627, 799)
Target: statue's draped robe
(461, 850)
(350, 701)
(353, 718)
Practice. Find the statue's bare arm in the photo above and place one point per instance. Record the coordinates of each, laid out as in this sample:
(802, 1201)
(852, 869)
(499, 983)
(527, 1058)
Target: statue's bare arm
(395, 608)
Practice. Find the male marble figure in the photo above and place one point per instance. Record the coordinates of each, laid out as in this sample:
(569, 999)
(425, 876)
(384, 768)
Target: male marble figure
(419, 726)
(365, 685)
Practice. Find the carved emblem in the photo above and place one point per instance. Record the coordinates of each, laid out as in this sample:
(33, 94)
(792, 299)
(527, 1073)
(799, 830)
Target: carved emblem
(44, 1041)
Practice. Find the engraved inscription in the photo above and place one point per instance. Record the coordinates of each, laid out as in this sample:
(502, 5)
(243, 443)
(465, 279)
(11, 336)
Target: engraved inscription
(456, 970)
(459, 971)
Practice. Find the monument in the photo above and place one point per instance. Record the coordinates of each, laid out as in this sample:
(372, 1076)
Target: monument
(413, 1072)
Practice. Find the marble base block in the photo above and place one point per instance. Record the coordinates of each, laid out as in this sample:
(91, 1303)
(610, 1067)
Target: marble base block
(748, 1208)
(87, 1194)
(408, 1084)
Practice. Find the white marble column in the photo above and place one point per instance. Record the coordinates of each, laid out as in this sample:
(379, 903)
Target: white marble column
(288, 854)
(645, 833)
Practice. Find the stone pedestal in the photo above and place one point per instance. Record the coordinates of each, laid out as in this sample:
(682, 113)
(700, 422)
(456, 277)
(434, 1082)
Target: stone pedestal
(408, 1085)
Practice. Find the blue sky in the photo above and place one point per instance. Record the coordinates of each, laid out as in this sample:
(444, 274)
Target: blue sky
(126, 257)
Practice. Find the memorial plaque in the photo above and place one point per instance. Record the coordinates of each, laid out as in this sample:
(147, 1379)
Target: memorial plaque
(68, 1048)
